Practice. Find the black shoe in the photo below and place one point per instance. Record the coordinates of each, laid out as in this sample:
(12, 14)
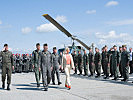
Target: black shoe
(8, 87)
(111, 75)
(115, 79)
(38, 85)
(90, 75)
(59, 83)
(125, 80)
(79, 74)
(121, 77)
(130, 73)
(3, 85)
(106, 77)
(53, 83)
(45, 89)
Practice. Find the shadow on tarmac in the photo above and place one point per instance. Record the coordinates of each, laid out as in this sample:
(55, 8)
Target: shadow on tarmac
(129, 83)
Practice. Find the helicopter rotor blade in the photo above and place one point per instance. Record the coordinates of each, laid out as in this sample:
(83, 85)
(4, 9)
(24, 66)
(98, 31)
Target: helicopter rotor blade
(54, 22)
(83, 44)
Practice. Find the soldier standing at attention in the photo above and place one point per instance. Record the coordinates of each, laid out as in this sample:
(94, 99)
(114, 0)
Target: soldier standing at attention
(120, 67)
(103, 50)
(125, 58)
(35, 63)
(55, 66)
(45, 62)
(80, 58)
(111, 63)
(131, 63)
(115, 62)
(85, 63)
(91, 62)
(106, 62)
(7, 66)
(75, 59)
(97, 61)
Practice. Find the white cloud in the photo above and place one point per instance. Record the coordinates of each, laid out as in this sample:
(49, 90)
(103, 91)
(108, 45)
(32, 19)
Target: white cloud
(61, 19)
(120, 23)
(0, 22)
(112, 38)
(49, 27)
(112, 3)
(26, 30)
(91, 11)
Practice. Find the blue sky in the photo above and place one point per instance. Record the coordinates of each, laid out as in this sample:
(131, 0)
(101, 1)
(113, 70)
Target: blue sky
(99, 21)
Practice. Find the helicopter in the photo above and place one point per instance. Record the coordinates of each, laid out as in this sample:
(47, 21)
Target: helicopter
(74, 38)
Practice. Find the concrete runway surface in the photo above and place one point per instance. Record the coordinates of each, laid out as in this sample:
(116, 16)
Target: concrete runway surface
(83, 88)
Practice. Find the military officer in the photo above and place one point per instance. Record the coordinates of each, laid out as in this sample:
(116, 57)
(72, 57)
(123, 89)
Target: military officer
(7, 66)
(80, 59)
(55, 66)
(91, 62)
(45, 62)
(125, 58)
(75, 59)
(97, 61)
(103, 50)
(111, 63)
(85, 63)
(120, 67)
(106, 62)
(35, 63)
(115, 62)
(18, 64)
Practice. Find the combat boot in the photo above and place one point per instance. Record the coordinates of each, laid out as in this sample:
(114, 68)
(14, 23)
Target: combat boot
(8, 87)
(3, 85)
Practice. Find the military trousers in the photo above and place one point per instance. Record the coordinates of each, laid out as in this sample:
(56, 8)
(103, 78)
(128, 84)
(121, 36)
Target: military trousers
(76, 67)
(115, 69)
(91, 68)
(55, 70)
(125, 71)
(80, 68)
(85, 69)
(98, 68)
(6, 70)
(121, 69)
(46, 76)
(37, 73)
(107, 69)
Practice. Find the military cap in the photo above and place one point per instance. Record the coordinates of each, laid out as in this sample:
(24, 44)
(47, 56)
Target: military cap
(120, 47)
(123, 45)
(45, 44)
(5, 45)
(114, 46)
(54, 48)
(105, 46)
